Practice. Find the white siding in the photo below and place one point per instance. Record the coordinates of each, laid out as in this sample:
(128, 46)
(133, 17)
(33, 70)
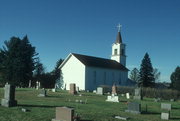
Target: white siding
(73, 72)
(117, 76)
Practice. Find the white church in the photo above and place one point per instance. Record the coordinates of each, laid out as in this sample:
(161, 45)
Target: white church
(89, 72)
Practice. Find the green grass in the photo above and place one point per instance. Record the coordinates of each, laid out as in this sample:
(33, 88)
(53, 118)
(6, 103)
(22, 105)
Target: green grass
(96, 109)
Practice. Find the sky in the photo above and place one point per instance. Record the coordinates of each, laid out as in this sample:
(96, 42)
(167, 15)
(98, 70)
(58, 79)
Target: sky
(59, 27)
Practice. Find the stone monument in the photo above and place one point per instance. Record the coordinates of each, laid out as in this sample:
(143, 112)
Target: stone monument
(112, 98)
(134, 107)
(42, 93)
(9, 96)
(114, 89)
(72, 89)
(64, 114)
(100, 91)
(138, 94)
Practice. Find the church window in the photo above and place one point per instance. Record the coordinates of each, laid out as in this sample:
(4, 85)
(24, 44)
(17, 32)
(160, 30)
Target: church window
(94, 76)
(115, 51)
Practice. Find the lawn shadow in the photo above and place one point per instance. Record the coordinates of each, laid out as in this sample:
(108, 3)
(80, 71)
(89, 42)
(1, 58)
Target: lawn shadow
(40, 106)
(175, 118)
(53, 96)
(155, 113)
(175, 108)
(86, 120)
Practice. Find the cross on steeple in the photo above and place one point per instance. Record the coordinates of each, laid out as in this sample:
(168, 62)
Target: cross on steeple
(119, 27)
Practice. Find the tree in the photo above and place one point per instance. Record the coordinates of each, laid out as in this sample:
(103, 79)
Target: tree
(57, 73)
(134, 75)
(156, 74)
(146, 72)
(18, 61)
(175, 79)
(39, 71)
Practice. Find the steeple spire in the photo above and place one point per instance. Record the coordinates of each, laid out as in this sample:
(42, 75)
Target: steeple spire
(118, 38)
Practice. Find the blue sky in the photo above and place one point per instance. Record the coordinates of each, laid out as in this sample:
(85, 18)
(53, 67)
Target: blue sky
(59, 27)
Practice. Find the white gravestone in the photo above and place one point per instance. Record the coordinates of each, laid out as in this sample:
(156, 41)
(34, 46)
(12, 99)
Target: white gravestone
(100, 91)
(165, 116)
(112, 99)
(127, 95)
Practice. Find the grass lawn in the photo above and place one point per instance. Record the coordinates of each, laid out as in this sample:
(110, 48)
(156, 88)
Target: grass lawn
(96, 109)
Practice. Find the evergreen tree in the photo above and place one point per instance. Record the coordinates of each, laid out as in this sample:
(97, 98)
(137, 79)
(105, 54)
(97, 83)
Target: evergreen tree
(146, 73)
(17, 64)
(175, 79)
(57, 73)
(38, 73)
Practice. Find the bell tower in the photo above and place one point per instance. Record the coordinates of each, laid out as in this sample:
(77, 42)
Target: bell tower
(119, 49)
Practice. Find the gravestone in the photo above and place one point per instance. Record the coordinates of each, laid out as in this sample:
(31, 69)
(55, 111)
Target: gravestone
(112, 98)
(37, 85)
(100, 91)
(134, 107)
(54, 90)
(64, 114)
(166, 106)
(29, 84)
(127, 95)
(114, 90)
(9, 96)
(42, 93)
(72, 89)
(138, 94)
(165, 116)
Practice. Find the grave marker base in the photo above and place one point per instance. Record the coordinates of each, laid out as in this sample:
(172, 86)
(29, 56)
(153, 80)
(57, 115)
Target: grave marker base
(8, 103)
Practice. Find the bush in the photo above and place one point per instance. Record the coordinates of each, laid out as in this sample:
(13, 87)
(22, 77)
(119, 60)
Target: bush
(165, 94)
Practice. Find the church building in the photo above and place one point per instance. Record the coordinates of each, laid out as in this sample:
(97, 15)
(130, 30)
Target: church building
(89, 72)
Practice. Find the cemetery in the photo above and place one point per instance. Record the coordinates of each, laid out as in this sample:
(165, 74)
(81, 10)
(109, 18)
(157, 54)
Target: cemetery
(83, 106)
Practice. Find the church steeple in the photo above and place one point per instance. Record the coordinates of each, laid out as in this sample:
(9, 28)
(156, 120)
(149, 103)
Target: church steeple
(118, 49)
(118, 38)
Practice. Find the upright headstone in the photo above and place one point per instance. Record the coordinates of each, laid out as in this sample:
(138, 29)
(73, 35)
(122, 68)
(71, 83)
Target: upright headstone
(138, 94)
(100, 91)
(72, 89)
(29, 84)
(37, 85)
(9, 96)
(127, 95)
(134, 107)
(166, 106)
(42, 93)
(114, 89)
(64, 114)
(165, 116)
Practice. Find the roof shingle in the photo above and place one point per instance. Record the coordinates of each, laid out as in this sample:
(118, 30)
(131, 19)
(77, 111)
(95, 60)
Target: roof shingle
(99, 62)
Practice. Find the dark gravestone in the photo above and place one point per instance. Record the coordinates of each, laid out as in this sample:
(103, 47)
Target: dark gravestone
(134, 107)
(42, 93)
(138, 94)
(9, 96)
